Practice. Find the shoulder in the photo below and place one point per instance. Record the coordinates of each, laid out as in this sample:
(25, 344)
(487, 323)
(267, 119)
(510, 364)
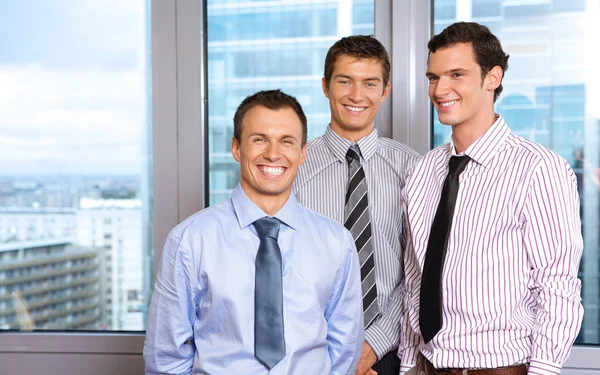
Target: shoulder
(541, 160)
(395, 148)
(536, 151)
(315, 144)
(325, 231)
(327, 224)
(431, 159)
(318, 158)
(205, 220)
(397, 156)
(535, 158)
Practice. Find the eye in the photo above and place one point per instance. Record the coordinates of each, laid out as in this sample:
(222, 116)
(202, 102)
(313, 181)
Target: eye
(432, 79)
(457, 74)
(259, 140)
(288, 142)
(371, 84)
(344, 82)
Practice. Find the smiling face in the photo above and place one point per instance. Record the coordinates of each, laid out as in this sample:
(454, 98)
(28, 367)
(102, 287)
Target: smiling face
(270, 151)
(459, 94)
(355, 92)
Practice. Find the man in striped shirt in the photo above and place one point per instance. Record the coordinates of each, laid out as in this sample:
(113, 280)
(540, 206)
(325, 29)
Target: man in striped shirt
(354, 176)
(494, 234)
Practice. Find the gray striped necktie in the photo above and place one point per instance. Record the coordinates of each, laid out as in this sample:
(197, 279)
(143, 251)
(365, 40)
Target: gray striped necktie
(358, 222)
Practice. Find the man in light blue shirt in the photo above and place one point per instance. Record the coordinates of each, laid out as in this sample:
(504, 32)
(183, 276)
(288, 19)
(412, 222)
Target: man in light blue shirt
(232, 297)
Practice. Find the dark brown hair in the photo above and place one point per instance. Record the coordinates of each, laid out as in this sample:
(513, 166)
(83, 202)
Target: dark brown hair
(486, 46)
(360, 47)
(271, 99)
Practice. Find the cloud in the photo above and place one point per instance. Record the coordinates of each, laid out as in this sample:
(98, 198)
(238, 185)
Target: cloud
(82, 121)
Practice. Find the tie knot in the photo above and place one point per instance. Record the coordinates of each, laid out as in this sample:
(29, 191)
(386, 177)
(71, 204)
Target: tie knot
(458, 164)
(353, 153)
(267, 227)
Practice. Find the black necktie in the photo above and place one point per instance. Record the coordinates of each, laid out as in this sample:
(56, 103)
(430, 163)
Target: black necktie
(269, 343)
(430, 313)
(358, 222)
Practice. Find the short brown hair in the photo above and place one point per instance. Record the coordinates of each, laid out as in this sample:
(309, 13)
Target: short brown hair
(271, 99)
(360, 47)
(486, 46)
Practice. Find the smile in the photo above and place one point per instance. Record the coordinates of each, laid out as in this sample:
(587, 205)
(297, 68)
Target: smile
(448, 104)
(354, 109)
(272, 171)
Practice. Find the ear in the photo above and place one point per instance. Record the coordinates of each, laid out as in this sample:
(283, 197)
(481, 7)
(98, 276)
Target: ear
(302, 155)
(494, 78)
(386, 92)
(235, 149)
(325, 86)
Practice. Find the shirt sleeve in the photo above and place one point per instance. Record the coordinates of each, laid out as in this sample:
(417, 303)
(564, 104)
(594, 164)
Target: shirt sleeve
(384, 333)
(552, 239)
(344, 315)
(168, 348)
(410, 340)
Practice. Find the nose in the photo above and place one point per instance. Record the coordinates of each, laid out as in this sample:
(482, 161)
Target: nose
(272, 151)
(356, 93)
(441, 87)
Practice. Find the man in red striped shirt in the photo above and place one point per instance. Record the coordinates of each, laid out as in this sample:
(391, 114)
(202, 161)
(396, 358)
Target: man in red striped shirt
(494, 234)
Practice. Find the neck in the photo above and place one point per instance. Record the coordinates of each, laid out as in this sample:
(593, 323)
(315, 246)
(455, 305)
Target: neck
(352, 136)
(270, 204)
(464, 135)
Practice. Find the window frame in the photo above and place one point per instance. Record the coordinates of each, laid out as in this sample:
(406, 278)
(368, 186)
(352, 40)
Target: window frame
(179, 144)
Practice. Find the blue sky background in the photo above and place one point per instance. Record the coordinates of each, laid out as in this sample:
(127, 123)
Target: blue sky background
(72, 86)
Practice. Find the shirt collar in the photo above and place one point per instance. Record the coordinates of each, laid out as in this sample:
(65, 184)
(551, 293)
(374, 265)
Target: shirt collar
(339, 145)
(485, 148)
(247, 212)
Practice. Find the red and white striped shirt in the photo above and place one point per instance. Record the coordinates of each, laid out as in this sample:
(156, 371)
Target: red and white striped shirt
(510, 289)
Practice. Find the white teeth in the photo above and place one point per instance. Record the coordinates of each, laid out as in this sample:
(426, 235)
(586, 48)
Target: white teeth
(275, 171)
(355, 109)
(448, 104)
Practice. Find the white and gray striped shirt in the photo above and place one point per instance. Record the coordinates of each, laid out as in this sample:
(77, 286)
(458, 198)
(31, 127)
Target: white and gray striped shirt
(321, 186)
(509, 284)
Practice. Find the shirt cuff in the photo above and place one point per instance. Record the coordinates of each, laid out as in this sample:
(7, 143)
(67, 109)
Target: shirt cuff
(541, 367)
(378, 340)
(409, 359)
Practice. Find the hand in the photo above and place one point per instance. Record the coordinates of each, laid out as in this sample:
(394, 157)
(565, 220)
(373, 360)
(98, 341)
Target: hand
(366, 361)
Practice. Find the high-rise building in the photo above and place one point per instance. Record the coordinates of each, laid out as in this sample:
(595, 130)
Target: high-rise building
(113, 227)
(255, 46)
(109, 229)
(48, 284)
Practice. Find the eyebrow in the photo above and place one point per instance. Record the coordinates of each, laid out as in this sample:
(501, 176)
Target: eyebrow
(366, 79)
(266, 136)
(455, 70)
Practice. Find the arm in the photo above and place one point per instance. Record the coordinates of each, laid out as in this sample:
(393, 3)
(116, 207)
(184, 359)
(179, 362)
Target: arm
(344, 315)
(410, 340)
(552, 239)
(171, 314)
(384, 333)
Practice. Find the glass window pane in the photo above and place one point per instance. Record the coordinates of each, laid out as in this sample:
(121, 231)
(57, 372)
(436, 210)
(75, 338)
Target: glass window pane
(74, 166)
(262, 45)
(551, 97)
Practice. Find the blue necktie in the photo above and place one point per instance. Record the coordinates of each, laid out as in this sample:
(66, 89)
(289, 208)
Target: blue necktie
(269, 343)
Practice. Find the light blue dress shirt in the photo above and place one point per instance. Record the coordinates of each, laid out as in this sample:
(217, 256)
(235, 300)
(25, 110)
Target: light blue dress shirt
(201, 318)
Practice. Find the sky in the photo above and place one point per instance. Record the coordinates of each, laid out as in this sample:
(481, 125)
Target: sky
(73, 90)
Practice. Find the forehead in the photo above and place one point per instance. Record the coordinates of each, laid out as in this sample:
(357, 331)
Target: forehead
(278, 122)
(350, 65)
(458, 55)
